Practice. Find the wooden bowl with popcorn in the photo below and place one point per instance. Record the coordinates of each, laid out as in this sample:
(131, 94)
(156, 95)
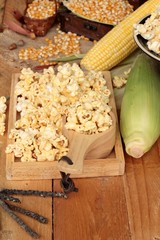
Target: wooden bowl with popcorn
(40, 16)
(62, 111)
(89, 123)
(88, 146)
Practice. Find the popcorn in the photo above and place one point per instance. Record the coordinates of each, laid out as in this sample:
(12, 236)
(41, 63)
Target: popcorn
(120, 81)
(27, 157)
(150, 30)
(44, 145)
(2, 127)
(47, 155)
(43, 99)
(17, 148)
(3, 108)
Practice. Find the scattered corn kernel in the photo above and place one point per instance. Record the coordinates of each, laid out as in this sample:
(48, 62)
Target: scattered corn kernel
(62, 43)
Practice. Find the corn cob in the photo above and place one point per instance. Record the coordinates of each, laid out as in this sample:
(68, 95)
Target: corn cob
(140, 108)
(117, 44)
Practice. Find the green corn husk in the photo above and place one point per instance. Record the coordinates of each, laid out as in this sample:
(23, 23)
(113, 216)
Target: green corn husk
(140, 108)
(67, 58)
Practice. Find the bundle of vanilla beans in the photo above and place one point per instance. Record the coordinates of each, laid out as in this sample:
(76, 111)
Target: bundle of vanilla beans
(5, 202)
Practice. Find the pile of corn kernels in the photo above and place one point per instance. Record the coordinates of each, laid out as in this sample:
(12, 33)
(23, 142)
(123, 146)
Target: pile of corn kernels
(110, 12)
(62, 43)
(3, 108)
(42, 101)
(39, 9)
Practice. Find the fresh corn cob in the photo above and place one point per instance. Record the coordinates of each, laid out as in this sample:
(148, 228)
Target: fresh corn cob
(117, 44)
(140, 108)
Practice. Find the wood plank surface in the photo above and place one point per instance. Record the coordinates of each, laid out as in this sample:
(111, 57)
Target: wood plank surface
(10, 230)
(111, 208)
(105, 208)
(97, 212)
(142, 182)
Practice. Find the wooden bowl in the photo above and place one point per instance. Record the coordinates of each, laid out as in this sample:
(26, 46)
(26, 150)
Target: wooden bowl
(39, 26)
(83, 146)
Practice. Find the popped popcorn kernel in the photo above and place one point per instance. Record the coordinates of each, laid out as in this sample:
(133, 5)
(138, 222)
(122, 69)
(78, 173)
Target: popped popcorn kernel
(150, 31)
(44, 99)
(3, 107)
(120, 81)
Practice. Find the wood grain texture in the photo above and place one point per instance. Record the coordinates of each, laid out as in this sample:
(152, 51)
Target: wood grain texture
(9, 230)
(97, 212)
(111, 208)
(142, 184)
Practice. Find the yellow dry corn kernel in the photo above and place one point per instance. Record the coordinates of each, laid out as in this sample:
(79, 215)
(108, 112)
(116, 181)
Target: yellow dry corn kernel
(62, 43)
(39, 9)
(110, 12)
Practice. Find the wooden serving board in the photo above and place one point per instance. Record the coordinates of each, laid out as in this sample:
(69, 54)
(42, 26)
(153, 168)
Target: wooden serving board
(112, 165)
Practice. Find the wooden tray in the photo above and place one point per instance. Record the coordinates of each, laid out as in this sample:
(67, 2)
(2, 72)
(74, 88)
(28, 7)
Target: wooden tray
(113, 165)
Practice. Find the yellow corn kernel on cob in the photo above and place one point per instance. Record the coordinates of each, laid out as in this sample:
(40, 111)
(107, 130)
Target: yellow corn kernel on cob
(117, 44)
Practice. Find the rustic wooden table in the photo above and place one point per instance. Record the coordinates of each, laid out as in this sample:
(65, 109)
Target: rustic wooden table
(107, 208)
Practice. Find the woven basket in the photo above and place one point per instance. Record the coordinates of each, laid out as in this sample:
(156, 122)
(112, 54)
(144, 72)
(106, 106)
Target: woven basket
(40, 26)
